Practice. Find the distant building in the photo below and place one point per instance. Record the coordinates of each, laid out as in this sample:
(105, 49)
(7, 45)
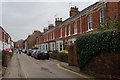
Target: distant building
(31, 40)
(65, 32)
(18, 44)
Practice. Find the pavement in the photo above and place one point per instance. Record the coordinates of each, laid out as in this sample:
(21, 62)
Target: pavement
(75, 70)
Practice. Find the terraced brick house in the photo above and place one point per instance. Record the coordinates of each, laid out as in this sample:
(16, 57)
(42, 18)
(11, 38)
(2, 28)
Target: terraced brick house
(30, 41)
(64, 32)
(5, 39)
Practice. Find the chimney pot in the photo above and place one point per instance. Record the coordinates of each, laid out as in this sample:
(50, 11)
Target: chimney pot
(58, 21)
(45, 29)
(55, 19)
(50, 26)
(73, 11)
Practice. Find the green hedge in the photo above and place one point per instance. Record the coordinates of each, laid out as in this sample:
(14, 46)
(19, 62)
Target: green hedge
(91, 44)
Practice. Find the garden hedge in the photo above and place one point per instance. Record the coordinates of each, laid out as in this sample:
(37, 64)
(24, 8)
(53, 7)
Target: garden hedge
(91, 44)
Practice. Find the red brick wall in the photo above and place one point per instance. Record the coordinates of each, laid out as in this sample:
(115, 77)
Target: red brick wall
(63, 31)
(72, 13)
(48, 36)
(41, 38)
(67, 29)
(3, 37)
(105, 65)
(72, 59)
(96, 18)
(0, 34)
(71, 28)
(84, 23)
(57, 33)
(112, 10)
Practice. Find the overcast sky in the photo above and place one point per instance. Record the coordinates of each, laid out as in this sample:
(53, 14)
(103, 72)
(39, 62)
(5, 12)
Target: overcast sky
(20, 19)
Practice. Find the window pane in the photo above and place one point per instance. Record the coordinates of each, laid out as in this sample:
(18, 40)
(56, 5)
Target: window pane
(90, 21)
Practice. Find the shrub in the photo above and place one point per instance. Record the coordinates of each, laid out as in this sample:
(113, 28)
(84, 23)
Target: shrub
(110, 24)
(59, 56)
(62, 56)
(55, 51)
(91, 44)
(64, 51)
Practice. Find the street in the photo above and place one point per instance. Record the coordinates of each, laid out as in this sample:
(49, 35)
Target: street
(23, 66)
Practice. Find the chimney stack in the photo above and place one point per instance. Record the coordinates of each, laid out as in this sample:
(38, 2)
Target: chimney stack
(45, 29)
(73, 11)
(58, 21)
(50, 26)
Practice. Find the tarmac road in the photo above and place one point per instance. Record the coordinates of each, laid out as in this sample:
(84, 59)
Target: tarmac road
(23, 66)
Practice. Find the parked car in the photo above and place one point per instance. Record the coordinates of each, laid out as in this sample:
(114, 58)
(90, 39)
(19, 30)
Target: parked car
(41, 54)
(29, 52)
(20, 51)
(24, 51)
(33, 52)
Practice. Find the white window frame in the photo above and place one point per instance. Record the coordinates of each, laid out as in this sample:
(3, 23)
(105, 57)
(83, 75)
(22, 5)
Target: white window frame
(101, 15)
(58, 44)
(75, 27)
(90, 22)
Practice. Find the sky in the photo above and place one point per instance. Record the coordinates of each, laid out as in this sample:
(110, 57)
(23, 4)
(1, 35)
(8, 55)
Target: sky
(20, 18)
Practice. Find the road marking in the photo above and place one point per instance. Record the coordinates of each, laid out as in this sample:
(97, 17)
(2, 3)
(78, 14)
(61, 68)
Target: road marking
(58, 65)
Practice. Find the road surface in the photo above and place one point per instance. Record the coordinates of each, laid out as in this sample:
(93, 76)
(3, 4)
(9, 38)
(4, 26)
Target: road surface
(23, 66)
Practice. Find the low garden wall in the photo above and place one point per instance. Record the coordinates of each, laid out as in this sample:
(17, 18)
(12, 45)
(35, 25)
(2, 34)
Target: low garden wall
(98, 53)
(105, 65)
(6, 56)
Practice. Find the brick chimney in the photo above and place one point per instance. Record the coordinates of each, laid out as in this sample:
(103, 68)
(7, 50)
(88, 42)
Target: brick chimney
(73, 11)
(58, 21)
(50, 26)
(45, 29)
